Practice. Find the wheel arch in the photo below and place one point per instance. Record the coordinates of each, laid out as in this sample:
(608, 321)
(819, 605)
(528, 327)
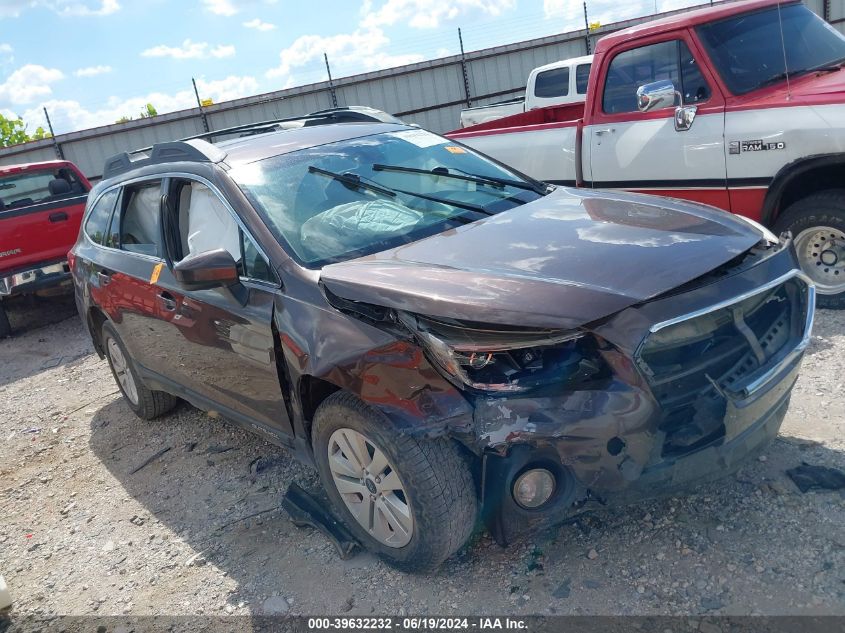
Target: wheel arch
(800, 179)
(95, 320)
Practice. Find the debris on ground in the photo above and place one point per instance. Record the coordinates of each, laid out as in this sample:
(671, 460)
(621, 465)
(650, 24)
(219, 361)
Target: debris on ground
(306, 510)
(808, 477)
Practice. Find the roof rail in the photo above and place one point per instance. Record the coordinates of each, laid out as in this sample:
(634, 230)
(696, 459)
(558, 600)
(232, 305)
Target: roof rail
(199, 148)
(194, 150)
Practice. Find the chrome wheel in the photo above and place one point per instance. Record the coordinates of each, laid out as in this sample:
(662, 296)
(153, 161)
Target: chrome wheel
(370, 487)
(821, 252)
(122, 371)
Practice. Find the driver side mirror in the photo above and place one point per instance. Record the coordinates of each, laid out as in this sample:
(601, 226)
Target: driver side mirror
(656, 95)
(210, 269)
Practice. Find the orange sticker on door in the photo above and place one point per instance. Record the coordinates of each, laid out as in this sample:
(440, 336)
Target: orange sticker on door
(156, 273)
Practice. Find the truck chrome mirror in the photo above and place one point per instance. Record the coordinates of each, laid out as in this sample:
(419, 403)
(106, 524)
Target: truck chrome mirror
(684, 116)
(656, 95)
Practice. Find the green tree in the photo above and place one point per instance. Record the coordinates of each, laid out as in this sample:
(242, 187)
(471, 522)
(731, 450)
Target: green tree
(148, 112)
(13, 131)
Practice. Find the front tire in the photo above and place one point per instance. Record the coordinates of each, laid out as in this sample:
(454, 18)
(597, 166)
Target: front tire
(817, 224)
(410, 501)
(5, 326)
(145, 403)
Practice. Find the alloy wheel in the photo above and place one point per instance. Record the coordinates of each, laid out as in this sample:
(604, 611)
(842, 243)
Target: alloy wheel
(370, 487)
(122, 372)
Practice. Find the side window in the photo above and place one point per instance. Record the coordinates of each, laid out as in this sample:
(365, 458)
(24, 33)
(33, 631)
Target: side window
(582, 76)
(139, 219)
(667, 60)
(97, 224)
(204, 223)
(552, 83)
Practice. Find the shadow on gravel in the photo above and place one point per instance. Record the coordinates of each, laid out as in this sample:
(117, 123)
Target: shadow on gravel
(29, 313)
(219, 488)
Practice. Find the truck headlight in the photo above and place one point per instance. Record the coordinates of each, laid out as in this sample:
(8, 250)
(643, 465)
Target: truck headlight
(504, 361)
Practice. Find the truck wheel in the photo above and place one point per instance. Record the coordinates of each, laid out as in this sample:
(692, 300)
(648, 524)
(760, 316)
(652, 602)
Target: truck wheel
(145, 403)
(817, 224)
(5, 326)
(410, 501)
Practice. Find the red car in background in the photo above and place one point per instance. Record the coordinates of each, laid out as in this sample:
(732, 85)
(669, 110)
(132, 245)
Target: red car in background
(41, 207)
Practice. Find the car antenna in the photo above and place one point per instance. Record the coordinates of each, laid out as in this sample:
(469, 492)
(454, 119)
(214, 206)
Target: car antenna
(785, 63)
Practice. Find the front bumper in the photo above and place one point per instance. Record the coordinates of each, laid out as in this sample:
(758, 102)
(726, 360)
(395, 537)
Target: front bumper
(651, 431)
(34, 279)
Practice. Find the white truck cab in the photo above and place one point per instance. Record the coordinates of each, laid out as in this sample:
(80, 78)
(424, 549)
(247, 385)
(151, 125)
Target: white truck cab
(557, 83)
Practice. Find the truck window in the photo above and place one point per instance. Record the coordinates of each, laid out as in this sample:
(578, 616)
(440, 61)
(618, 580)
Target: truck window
(552, 83)
(748, 49)
(667, 60)
(34, 187)
(582, 76)
(97, 224)
(139, 221)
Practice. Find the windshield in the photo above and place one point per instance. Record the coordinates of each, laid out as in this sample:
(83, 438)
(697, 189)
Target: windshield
(368, 194)
(748, 52)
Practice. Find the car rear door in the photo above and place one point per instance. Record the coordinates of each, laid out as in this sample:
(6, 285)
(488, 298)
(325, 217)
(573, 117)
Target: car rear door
(643, 151)
(38, 223)
(220, 342)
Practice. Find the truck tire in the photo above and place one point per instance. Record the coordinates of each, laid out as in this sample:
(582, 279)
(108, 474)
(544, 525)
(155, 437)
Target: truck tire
(145, 403)
(5, 326)
(817, 223)
(416, 498)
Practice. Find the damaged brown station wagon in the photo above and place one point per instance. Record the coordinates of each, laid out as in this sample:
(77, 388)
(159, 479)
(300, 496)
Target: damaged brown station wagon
(445, 339)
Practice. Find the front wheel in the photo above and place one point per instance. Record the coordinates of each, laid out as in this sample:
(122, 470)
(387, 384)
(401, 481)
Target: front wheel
(817, 224)
(410, 501)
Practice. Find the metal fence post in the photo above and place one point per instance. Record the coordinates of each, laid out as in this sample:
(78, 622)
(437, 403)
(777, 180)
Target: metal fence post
(464, 69)
(587, 25)
(199, 104)
(331, 83)
(59, 153)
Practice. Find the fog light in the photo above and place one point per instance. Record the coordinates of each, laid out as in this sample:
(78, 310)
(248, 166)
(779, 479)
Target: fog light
(534, 487)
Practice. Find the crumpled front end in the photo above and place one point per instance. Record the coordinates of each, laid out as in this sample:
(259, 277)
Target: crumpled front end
(697, 382)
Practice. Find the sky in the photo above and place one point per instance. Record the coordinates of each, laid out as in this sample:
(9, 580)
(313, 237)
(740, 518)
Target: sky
(91, 62)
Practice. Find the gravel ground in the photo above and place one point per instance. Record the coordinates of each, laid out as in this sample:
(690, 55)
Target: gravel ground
(198, 530)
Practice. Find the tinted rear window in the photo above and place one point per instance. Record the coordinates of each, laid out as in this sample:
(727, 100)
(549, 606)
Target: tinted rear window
(97, 224)
(552, 83)
(582, 77)
(34, 187)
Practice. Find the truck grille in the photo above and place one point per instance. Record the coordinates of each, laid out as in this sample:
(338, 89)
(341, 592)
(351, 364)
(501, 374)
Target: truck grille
(689, 364)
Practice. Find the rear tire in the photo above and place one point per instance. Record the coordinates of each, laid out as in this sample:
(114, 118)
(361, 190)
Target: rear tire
(436, 485)
(817, 224)
(5, 326)
(145, 403)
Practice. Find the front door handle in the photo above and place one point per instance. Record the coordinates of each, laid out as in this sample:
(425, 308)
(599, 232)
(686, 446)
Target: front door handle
(60, 216)
(167, 301)
(602, 132)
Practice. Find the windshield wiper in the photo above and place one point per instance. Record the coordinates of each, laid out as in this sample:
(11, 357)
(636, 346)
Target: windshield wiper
(821, 68)
(443, 171)
(352, 180)
(360, 182)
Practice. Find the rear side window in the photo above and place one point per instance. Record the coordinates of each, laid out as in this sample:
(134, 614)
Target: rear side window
(140, 217)
(657, 62)
(97, 224)
(35, 187)
(582, 77)
(552, 83)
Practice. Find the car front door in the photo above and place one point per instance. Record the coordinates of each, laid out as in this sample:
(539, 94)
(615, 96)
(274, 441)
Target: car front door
(221, 341)
(646, 151)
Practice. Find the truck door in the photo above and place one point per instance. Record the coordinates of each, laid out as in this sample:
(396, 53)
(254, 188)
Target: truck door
(647, 151)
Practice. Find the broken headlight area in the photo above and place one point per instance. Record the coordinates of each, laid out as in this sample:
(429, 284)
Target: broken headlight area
(506, 360)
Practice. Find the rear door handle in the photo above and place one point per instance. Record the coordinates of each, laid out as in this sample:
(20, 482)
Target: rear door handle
(167, 301)
(61, 216)
(104, 277)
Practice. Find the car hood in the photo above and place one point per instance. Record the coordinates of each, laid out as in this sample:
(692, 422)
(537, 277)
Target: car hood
(564, 260)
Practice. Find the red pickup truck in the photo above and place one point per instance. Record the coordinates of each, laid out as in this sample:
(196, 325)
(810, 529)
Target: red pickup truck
(740, 106)
(41, 207)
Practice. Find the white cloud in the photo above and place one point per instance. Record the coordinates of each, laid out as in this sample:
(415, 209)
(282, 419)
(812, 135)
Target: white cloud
(92, 71)
(190, 50)
(428, 14)
(13, 8)
(220, 7)
(259, 25)
(6, 48)
(359, 45)
(28, 83)
(69, 115)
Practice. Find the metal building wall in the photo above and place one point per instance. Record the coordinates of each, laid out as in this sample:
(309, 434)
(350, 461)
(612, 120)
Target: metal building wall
(429, 93)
